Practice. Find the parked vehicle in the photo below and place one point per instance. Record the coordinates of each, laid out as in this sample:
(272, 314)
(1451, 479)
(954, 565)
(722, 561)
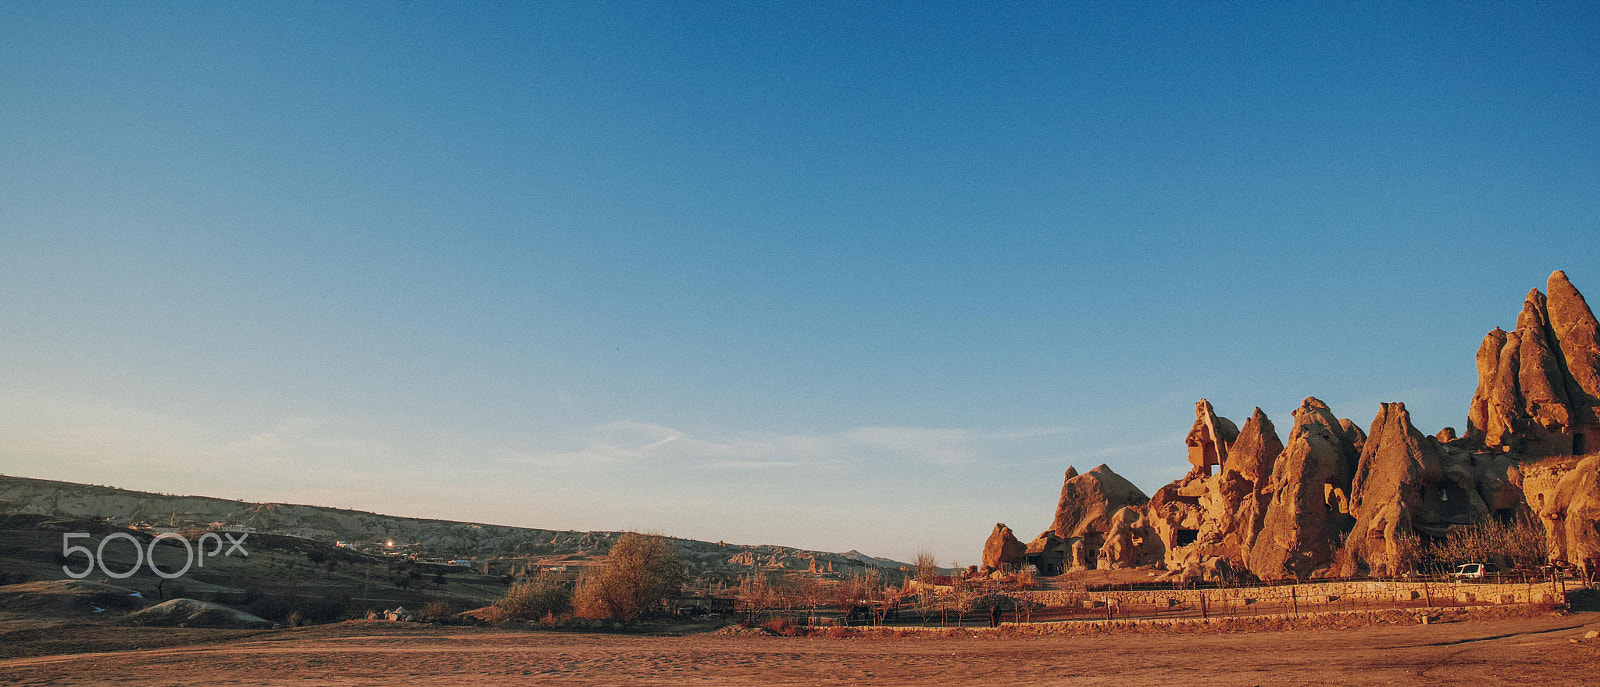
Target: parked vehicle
(1470, 571)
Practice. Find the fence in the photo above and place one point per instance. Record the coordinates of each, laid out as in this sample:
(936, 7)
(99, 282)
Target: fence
(1069, 601)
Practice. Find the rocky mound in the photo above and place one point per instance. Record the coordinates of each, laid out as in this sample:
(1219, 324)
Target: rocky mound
(192, 613)
(68, 598)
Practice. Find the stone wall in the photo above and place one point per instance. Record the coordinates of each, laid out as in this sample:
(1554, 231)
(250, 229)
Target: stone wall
(1306, 596)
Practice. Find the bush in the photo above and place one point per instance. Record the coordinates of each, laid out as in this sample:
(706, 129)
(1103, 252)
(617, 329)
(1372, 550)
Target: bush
(437, 612)
(782, 625)
(1521, 543)
(641, 573)
(534, 600)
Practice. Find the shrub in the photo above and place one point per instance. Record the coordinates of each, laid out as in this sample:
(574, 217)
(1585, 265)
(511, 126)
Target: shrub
(587, 600)
(641, 572)
(1522, 543)
(544, 595)
(782, 625)
(437, 611)
(1026, 579)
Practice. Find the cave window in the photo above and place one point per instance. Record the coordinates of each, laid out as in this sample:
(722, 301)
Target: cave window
(1444, 496)
(1185, 537)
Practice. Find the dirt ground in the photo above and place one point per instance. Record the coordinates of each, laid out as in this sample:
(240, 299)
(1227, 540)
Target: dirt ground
(1514, 651)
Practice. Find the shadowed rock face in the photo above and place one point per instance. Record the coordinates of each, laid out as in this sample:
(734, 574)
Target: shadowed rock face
(1308, 496)
(1002, 550)
(1253, 453)
(1544, 392)
(1489, 419)
(1241, 494)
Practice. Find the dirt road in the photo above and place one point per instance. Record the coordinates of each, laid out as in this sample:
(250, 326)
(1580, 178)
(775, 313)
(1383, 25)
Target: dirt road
(1497, 652)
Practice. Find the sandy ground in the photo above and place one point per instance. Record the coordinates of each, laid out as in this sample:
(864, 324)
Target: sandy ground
(1491, 652)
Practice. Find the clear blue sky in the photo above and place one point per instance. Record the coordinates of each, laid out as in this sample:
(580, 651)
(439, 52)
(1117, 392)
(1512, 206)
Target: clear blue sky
(856, 275)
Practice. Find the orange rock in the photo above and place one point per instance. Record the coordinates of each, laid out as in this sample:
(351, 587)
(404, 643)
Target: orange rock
(1307, 487)
(1089, 500)
(1576, 333)
(1002, 549)
(1209, 438)
(1407, 482)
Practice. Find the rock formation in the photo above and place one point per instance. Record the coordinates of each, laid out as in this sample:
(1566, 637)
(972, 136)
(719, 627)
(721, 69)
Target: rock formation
(1308, 495)
(1577, 335)
(1407, 484)
(1284, 509)
(1571, 514)
(1002, 551)
(1123, 542)
(1538, 384)
(1085, 512)
(1209, 438)
(1089, 500)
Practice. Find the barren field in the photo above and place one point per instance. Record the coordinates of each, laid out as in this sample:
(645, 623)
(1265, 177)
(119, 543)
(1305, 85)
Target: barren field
(1515, 651)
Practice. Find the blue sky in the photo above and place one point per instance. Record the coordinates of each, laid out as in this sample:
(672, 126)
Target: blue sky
(834, 276)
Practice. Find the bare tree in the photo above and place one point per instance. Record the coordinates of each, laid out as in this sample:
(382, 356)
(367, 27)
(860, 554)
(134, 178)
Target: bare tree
(927, 569)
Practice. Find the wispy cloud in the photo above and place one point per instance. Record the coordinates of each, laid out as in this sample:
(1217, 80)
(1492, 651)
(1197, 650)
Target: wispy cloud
(751, 464)
(631, 441)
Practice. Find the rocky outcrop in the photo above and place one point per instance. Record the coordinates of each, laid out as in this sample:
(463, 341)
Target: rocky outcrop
(1539, 375)
(1283, 509)
(1201, 517)
(1540, 398)
(1049, 553)
(1240, 501)
(1308, 495)
(1002, 551)
(1085, 513)
(1123, 543)
(1208, 440)
(1571, 513)
(1577, 336)
(1407, 483)
(1489, 417)
(1089, 500)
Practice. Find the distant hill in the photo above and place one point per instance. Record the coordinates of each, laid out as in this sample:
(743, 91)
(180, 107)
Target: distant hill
(374, 533)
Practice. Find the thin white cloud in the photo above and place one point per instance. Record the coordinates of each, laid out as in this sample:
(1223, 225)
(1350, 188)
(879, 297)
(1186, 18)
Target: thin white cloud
(626, 441)
(751, 464)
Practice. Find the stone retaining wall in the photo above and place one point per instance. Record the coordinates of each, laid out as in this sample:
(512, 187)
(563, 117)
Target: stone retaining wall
(1309, 594)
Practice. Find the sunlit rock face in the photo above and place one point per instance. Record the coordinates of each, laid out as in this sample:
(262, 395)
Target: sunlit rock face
(1538, 384)
(1085, 513)
(1307, 495)
(1281, 509)
(1408, 484)
(1002, 551)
